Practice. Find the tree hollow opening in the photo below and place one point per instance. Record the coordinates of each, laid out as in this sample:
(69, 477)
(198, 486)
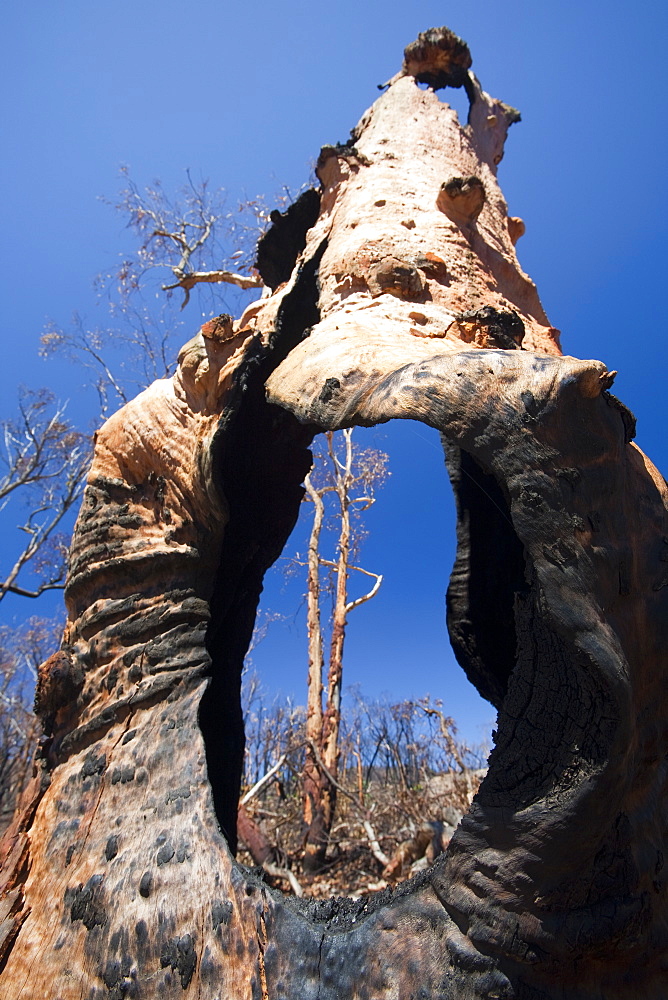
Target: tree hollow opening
(270, 458)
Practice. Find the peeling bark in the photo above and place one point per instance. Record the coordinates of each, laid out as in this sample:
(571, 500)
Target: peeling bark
(403, 299)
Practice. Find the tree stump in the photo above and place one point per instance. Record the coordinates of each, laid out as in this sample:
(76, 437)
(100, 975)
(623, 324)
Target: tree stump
(396, 293)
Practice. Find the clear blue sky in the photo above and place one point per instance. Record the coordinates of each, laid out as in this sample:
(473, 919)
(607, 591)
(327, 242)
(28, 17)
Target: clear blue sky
(245, 95)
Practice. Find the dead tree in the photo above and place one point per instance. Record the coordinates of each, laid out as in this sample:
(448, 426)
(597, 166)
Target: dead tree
(351, 479)
(43, 463)
(396, 293)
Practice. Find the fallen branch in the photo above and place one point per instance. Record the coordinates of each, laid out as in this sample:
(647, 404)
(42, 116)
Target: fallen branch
(285, 873)
(264, 780)
(376, 849)
(430, 840)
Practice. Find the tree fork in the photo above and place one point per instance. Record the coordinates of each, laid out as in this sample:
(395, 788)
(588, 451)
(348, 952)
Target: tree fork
(404, 300)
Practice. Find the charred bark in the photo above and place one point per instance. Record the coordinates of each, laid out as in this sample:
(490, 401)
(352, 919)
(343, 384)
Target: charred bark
(406, 301)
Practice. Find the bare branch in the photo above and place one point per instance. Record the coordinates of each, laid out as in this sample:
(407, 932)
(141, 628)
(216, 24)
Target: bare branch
(358, 569)
(21, 592)
(192, 278)
(371, 593)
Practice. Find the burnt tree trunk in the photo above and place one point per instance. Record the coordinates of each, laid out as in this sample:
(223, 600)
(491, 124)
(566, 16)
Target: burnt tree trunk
(396, 293)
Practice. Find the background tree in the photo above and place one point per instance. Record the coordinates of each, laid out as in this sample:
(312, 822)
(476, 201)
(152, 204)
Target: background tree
(43, 461)
(22, 650)
(193, 236)
(43, 464)
(344, 478)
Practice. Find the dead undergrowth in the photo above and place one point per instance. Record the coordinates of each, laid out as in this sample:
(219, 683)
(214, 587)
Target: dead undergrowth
(403, 782)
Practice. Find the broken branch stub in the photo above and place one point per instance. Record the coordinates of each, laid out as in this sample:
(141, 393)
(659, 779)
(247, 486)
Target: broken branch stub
(117, 880)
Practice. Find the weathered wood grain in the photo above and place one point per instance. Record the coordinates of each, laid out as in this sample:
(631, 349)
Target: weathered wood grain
(395, 293)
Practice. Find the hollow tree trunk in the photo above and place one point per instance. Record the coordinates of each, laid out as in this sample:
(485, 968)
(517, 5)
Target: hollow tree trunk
(396, 293)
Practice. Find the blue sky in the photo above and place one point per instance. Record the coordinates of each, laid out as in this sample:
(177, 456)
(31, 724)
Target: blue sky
(245, 95)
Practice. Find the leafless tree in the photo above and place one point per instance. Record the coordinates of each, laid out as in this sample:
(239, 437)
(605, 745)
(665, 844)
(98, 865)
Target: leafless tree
(44, 461)
(184, 236)
(196, 238)
(344, 479)
(21, 651)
